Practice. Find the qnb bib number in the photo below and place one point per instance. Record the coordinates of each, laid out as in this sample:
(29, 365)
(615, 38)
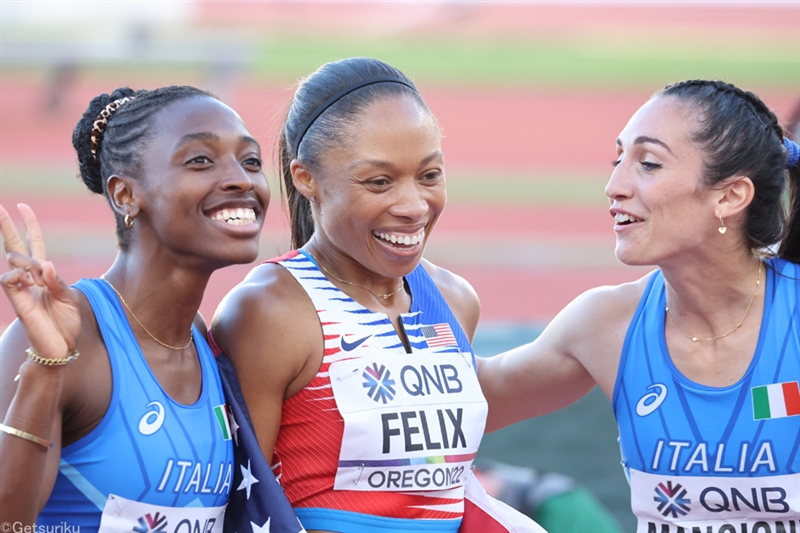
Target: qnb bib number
(713, 504)
(410, 438)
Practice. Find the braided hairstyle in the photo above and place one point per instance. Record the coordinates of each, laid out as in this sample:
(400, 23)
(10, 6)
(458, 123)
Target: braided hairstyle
(331, 128)
(119, 146)
(741, 135)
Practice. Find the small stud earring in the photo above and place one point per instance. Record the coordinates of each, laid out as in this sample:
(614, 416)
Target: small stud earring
(722, 228)
(129, 221)
(313, 199)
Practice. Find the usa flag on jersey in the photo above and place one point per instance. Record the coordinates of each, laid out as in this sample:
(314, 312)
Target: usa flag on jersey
(439, 335)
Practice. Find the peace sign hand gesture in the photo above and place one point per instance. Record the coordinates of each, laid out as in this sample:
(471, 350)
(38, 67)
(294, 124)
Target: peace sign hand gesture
(46, 307)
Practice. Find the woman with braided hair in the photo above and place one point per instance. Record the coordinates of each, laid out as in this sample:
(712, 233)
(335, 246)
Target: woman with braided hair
(700, 358)
(115, 420)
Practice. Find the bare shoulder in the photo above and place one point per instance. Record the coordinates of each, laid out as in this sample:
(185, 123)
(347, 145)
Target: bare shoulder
(459, 295)
(268, 296)
(264, 324)
(86, 391)
(269, 329)
(609, 301)
(592, 328)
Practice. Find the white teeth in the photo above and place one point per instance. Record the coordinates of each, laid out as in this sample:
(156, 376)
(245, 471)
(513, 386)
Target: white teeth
(236, 217)
(620, 218)
(405, 239)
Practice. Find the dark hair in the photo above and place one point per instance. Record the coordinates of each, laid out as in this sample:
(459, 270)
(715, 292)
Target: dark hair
(120, 146)
(741, 135)
(329, 129)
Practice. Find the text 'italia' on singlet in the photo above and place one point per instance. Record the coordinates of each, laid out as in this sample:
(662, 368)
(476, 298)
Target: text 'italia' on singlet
(707, 459)
(151, 464)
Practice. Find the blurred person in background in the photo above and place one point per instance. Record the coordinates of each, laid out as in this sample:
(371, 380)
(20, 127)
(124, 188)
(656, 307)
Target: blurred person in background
(113, 409)
(352, 351)
(700, 358)
(556, 502)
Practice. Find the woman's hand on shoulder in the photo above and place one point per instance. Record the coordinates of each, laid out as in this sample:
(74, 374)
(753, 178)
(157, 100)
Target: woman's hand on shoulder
(459, 295)
(268, 328)
(592, 328)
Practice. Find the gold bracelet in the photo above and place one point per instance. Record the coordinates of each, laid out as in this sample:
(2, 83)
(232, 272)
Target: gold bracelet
(36, 358)
(24, 435)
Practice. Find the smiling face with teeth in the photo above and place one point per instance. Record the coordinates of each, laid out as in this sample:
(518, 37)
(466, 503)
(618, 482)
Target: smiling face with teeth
(203, 193)
(378, 194)
(661, 207)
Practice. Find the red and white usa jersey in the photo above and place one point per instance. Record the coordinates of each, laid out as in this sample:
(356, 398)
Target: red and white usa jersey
(381, 439)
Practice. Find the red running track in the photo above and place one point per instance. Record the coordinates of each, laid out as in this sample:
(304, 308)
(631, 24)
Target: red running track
(483, 129)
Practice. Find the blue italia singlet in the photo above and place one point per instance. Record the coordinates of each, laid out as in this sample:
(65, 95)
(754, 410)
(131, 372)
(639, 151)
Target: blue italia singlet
(151, 464)
(713, 459)
(381, 439)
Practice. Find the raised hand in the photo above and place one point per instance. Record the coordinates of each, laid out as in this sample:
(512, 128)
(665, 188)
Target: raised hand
(46, 307)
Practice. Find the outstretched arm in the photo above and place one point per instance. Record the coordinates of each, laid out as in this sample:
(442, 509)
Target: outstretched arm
(48, 327)
(578, 349)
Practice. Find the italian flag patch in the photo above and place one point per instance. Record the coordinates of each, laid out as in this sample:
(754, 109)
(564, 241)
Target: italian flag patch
(221, 413)
(778, 400)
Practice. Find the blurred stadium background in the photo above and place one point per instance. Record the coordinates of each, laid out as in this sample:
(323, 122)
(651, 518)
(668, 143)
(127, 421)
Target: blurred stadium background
(530, 97)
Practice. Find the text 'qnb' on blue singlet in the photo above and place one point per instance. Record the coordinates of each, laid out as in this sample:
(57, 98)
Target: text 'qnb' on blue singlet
(151, 464)
(713, 459)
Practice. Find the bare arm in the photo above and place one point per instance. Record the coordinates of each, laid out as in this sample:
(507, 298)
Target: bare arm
(269, 329)
(49, 323)
(578, 349)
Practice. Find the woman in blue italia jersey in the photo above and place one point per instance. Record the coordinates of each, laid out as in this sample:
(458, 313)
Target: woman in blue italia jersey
(700, 358)
(115, 420)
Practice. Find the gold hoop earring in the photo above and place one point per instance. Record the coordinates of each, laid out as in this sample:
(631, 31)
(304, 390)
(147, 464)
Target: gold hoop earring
(129, 221)
(722, 228)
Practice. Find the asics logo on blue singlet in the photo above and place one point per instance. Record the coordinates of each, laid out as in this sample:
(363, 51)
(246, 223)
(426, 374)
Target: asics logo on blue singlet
(350, 346)
(152, 420)
(652, 400)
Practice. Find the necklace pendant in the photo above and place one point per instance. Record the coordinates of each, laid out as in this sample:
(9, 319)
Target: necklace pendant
(694, 339)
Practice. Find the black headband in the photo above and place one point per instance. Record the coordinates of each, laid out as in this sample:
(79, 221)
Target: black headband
(336, 97)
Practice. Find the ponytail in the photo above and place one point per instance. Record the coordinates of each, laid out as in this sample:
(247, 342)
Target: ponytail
(301, 220)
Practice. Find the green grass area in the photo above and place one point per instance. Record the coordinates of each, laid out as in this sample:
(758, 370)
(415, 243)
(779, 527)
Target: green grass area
(511, 188)
(600, 62)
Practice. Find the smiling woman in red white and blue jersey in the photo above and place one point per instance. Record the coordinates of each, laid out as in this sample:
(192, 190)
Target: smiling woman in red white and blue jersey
(701, 358)
(353, 352)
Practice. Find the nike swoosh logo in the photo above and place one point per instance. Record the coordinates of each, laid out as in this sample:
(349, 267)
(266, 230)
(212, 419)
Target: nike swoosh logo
(350, 346)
